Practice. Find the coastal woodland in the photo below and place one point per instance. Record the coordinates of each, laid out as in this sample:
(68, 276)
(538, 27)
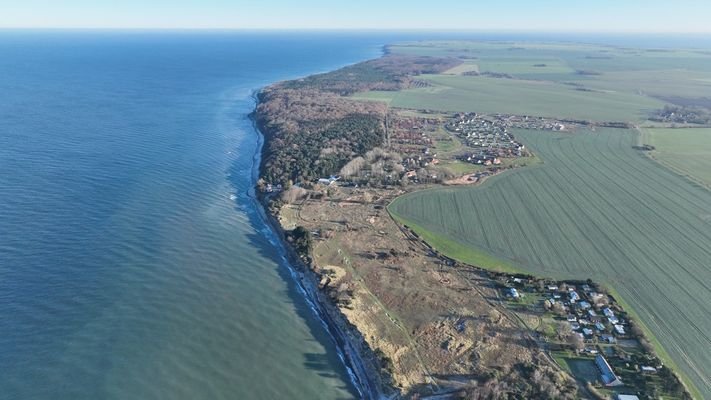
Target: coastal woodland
(313, 128)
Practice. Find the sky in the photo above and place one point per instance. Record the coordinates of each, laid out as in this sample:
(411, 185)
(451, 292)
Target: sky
(680, 16)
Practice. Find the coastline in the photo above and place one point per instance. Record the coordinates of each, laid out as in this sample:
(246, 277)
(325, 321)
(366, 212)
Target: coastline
(350, 345)
(354, 351)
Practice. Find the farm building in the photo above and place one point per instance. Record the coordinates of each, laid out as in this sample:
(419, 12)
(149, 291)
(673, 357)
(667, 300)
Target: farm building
(609, 378)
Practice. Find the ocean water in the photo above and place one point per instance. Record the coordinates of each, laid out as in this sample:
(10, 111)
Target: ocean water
(133, 262)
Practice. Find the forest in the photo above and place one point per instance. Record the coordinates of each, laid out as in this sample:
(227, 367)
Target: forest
(312, 128)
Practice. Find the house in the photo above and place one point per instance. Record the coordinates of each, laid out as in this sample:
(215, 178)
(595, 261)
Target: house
(328, 181)
(584, 305)
(619, 329)
(595, 297)
(574, 297)
(609, 378)
(572, 318)
(648, 369)
(627, 397)
(608, 312)
(553, 288)
(613, 320)
(587, 332)
(608, 338)
(513, 293)
(600, 327)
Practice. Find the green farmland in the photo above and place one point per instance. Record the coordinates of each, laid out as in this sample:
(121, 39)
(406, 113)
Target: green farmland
(558, 80)
(521, 97)
(597, 208)
(686, 151)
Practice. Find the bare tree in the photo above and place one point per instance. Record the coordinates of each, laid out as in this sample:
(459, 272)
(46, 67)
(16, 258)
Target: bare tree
(576, 342)
(558, 308)
(294, 194)
(563, 330)
(353, 167)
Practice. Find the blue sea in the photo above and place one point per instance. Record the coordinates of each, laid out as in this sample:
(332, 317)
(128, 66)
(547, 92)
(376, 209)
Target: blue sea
(134, 263)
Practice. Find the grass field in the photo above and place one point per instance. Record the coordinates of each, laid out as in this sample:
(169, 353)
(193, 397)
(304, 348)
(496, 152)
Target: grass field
(463, 68)
(576, 56)
(517, 66)
(582, 81)
(687, 151)
(596, 209)
(522, 97)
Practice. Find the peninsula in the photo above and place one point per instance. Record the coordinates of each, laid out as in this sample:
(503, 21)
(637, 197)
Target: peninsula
(493, 220)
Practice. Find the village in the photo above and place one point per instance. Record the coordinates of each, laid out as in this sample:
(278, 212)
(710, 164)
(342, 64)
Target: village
(435, 148)
(591, 336)
(482, 140)
(490, 135)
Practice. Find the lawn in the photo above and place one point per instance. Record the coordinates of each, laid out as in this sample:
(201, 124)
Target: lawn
(597, 208)
(583, 369)
(460, 167)
(686, 151)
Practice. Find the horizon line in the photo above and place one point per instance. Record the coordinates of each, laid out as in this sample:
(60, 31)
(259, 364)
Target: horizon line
(336, 29)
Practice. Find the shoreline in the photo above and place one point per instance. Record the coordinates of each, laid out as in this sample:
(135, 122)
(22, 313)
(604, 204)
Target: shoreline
(344, 337)
(336, 322)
